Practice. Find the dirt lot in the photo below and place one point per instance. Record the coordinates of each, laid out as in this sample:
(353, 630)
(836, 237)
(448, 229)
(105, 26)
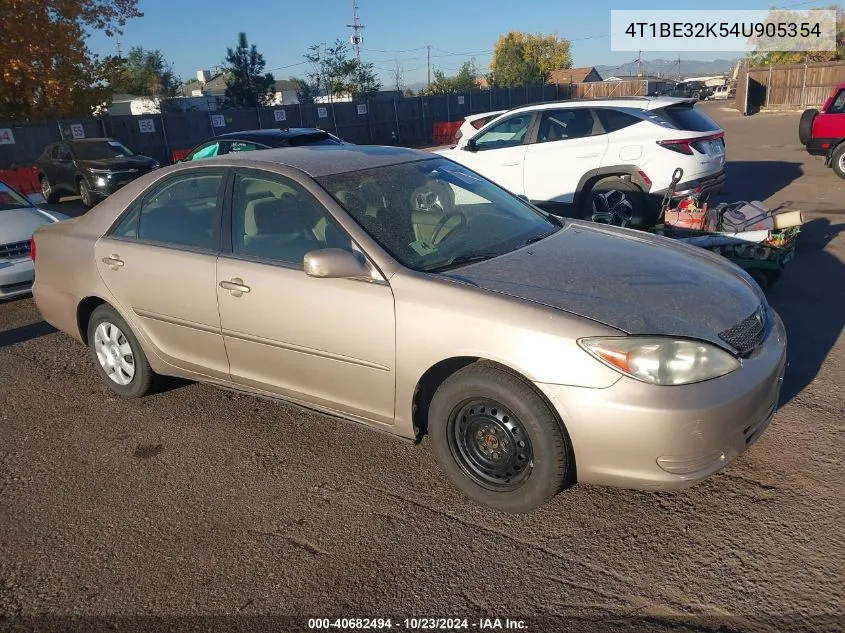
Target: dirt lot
(198, 502)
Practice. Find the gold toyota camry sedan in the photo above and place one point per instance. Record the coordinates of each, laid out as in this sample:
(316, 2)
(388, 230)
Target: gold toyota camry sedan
(400, 290)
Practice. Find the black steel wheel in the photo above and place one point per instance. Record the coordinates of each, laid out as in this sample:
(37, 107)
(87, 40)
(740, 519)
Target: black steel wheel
(498, 440)
(490, 444)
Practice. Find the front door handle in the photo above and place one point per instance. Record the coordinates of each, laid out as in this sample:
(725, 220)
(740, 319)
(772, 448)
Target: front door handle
(593, 155)
(236, 286)
(114, 262)
(514, 164)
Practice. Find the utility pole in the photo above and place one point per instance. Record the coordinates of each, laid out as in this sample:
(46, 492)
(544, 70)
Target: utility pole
(428, 63)
(679, 67)
(639, 63)
(357, 39)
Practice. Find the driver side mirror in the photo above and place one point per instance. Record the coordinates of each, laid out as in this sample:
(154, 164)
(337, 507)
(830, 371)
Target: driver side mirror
(471, 146)
(334, 263)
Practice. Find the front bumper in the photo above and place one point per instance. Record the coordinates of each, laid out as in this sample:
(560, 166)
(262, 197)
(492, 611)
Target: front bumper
(104, 185)
(635, 435)
(16, 277)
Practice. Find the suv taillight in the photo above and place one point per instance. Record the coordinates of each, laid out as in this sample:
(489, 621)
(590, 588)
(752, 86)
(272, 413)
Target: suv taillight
(686, 145)
(458, 136)
(680, 146)
(32, 248)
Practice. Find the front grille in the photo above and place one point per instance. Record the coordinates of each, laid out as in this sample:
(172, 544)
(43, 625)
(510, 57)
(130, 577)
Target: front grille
(747, 335)
(15, 249)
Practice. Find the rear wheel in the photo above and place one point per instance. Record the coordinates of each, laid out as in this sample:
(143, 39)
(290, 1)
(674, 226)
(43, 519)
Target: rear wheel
(617, 202)
(497, 440)
(837, 160)
(805, 125)
(117, 355)
(48, 191)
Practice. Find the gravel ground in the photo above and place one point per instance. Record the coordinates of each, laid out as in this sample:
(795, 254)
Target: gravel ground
(200, 509)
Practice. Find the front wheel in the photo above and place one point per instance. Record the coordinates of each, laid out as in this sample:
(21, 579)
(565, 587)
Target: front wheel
(837, 160)
(497, 440)
(85, 194)
(117, 355)
(47, 190)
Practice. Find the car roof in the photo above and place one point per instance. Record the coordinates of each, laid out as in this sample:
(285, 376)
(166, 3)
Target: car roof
(270, 134)
(642, 103)
(327, 160)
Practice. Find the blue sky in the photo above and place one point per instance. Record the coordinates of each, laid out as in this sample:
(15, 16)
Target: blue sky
(194, 34)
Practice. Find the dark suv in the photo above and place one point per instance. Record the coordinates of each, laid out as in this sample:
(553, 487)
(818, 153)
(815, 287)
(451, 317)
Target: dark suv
(690, 90)
(823, 132)
(92, 168)
(251, 140)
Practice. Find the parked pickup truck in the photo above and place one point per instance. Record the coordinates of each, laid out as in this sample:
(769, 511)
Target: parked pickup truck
(823, 132)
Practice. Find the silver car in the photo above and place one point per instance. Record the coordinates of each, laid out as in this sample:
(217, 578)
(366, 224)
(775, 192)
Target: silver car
(403, 291)
(19, 217)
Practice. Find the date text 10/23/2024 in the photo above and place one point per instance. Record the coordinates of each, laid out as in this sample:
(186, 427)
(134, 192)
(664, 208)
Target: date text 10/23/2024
(416, 624)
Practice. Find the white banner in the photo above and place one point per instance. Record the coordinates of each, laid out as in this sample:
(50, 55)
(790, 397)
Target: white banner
(218, 120)
(6, 136)
(77, 130)
(146, 126)
(280, 115)
(362, 108)
(322, 112)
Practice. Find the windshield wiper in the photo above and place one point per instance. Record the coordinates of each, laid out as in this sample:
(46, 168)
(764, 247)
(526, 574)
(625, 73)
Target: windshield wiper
(461, 260)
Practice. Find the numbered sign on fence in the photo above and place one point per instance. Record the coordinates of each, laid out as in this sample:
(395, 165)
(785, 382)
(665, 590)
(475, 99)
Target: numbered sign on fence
(6, 136)
(77, 131)
(218, 120)
(146, 126)
(460, 100)
(362, 108)
(280, 115)
(322, 112)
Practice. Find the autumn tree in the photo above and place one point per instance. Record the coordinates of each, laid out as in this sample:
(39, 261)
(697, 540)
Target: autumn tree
(146, 73)
(786, 57)
(521, 59)
(247, 85)
(47, 69)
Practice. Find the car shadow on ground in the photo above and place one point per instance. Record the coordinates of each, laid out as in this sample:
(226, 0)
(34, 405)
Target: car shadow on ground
(25, 333)
(811, 301)
(744, 181)
(72, 207)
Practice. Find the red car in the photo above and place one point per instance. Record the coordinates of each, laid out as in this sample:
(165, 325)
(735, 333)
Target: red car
(824, 132)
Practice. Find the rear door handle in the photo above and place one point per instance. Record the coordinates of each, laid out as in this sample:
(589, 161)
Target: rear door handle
(114, 262)
(593, 155)
(236, 286)
(511, 164)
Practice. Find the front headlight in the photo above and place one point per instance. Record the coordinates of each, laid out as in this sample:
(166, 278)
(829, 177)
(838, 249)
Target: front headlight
(660, 360)
(155, 165)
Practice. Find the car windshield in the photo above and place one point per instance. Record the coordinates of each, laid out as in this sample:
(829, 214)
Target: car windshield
(101, 150)
(433, 215)
(11, 199)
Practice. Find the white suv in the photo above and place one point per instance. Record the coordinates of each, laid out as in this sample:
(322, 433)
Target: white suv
(574, 158)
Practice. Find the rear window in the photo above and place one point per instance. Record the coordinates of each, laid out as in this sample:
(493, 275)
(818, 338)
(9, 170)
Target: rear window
(687, 117)
(479, 123)
(312, 139)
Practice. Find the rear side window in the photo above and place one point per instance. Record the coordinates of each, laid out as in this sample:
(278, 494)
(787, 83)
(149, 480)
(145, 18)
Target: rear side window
(614, 120)
(181, 212)
(687, 117)
(838, 104)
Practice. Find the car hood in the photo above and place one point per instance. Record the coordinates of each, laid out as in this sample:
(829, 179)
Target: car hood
(126, 162)
(17, 225)
(631, 281)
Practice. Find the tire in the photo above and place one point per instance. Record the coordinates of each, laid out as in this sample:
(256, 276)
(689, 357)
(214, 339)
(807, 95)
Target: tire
(635, 211)
(482, 412)
(140, 383)
(805, 125)
(837, 160)
(696, 96)
(48, 191)
(85, 193)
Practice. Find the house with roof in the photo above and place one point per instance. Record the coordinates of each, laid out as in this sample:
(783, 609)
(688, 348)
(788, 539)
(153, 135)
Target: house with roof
(566, 76)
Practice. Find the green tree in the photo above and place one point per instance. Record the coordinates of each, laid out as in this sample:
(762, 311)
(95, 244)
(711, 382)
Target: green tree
(46, 69)
(334, 72)
(464, 80)
(521, 59)
(247, 85)
(146, 73)
(303, 91)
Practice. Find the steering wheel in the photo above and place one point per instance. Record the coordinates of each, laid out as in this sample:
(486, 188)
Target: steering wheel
(442, 223)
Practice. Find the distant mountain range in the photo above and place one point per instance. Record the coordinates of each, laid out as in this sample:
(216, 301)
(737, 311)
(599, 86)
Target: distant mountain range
(669, 67)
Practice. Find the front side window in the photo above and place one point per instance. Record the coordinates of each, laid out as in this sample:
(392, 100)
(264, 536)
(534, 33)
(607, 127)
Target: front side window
(508, 133)
(206, 151)
(277, 219)
(64, 153)
(181, 211)
(11, 199)
(433, 215)
(569, 123)
(838, 105)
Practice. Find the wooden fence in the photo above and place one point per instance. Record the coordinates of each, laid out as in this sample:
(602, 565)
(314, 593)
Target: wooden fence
(799, 86)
